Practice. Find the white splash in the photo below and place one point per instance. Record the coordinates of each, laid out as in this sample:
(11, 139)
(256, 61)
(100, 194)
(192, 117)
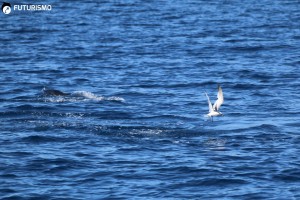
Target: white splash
(88, 95)
(92, 96)
(115, 99)
(79, 96)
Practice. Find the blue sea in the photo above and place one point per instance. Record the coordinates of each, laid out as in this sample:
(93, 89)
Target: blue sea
(106, 100)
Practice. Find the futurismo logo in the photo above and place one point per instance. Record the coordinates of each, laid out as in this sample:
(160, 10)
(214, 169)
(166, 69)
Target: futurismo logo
(6, 8)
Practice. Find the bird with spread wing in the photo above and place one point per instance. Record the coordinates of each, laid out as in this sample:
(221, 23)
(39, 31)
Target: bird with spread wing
(214, 110)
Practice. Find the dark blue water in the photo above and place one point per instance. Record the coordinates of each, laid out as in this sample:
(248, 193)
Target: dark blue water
(132, 124)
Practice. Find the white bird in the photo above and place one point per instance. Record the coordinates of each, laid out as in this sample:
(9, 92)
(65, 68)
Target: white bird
(214, 109)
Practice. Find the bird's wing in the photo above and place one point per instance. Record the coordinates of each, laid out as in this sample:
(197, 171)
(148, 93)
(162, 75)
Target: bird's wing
(220, 99)
(209, 103)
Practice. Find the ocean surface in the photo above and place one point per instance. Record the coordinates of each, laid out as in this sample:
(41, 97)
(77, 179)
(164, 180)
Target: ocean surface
(106, 100)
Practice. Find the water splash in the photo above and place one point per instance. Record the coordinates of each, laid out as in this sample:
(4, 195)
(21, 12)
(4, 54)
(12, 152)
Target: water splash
(92, 96)
(78, 96)
(88, 95)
